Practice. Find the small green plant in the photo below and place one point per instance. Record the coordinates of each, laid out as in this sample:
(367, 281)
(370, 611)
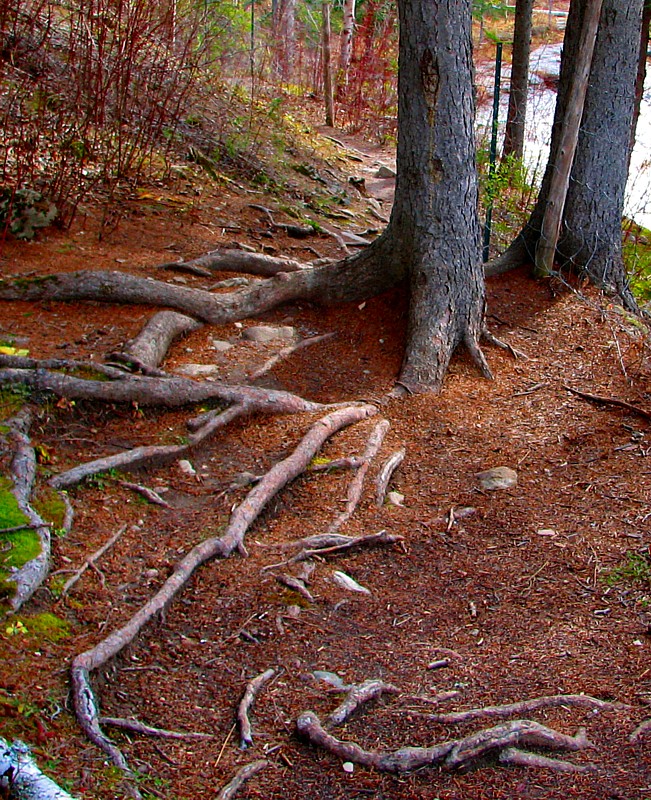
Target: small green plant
(101, 479)
(635, 569)
(637, 257)
(23, 211)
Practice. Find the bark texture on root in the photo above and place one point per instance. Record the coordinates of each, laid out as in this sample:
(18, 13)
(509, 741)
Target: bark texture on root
(246, 703)
(385, 475)
(85, 703)
(237, 261)
(145, 352)
(356, 697)
(21, 776)
(242, 776)
(31, 575)
(327, 544)
(526, 707)
(452, 755)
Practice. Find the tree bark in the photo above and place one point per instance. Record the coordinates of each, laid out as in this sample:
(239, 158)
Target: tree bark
(515, 121)
(346, 51)
(434, 223)
(328, 95)
(590, 240)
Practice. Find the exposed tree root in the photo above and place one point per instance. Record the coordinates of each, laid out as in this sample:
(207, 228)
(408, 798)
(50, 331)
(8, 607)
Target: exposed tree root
(90, 561)
(22, 778)
(135, 726)
(492, 339)
(357, 484)
(144, 491)
(526, 707)
(356, 697)
(333, 543)
(245, 774)
(250, 693)
(386, 473)
(84, 700)
(643, 728)
(286, 352)
(296, 585)
(147, 350)
(520, 758)
(237, 261)
(31, 575)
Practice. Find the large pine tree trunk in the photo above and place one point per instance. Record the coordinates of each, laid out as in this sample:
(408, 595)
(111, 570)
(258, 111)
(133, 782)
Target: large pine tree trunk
(435, 221)
(515, 121)
(590, 240)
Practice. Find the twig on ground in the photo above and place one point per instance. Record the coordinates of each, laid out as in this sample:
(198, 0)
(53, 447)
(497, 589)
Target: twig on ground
(90, 561)
(135, 726)
(526, 707)
(84, 700)
(610, 401)
(385, 475)
(250, 693)
(244, 774)
(357, 484)
(357, 696)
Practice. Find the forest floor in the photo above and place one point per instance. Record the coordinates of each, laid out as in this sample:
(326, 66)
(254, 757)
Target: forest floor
(539, 589)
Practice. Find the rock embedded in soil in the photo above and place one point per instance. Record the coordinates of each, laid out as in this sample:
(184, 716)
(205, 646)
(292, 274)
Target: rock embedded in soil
(198, 370)
(261, 334)
(385, 172)
(496, 478)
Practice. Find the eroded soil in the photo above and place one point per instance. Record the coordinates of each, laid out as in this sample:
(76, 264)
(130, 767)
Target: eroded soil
(519, 594)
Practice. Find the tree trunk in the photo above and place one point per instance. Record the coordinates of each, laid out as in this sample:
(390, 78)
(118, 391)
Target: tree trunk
(284, 30)
(590, 240)
(515, 121)
(327, 66)
(346, 51)
(641, 69)
(434, 223)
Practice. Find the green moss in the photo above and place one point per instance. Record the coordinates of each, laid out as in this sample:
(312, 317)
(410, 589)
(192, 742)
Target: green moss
(10, 514)
(43, 626)
(12, 399)
(50, 506)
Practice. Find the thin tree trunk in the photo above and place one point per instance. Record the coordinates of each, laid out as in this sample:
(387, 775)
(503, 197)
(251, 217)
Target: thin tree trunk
(515, 122)
(641, 70)
(346, 51)
(327, 66)
(558, 188)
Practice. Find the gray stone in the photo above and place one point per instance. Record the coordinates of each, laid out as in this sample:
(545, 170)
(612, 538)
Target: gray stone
(385, 172)
(262, 334)
(220, 345)
(198, 370)
(497, 478)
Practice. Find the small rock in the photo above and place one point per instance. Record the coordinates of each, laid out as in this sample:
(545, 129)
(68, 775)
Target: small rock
(385, 172)
(348, 767)
(497, 478)
(268, 333)
(346, 582)
(179, 279)
(220, 345)
(329, 677)
(186, 467)
(396, 499)
(198, 370)
(546, 532)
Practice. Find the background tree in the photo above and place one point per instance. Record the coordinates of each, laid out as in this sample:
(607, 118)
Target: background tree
(346, 50)
(515, 121)
(590, 239)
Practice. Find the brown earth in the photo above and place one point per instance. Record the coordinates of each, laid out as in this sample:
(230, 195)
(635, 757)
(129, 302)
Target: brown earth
(521, 589)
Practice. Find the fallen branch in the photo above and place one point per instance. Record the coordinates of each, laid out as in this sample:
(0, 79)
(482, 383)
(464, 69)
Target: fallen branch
(84, 700)
(245, 774)
(135, 726)
(146, 351)
(357, 484)
(20, 774)
(385, 475)
(90, 561)
(357, 696)
(610, 401)
(250, 693)
(526, 707)
(296, 585)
